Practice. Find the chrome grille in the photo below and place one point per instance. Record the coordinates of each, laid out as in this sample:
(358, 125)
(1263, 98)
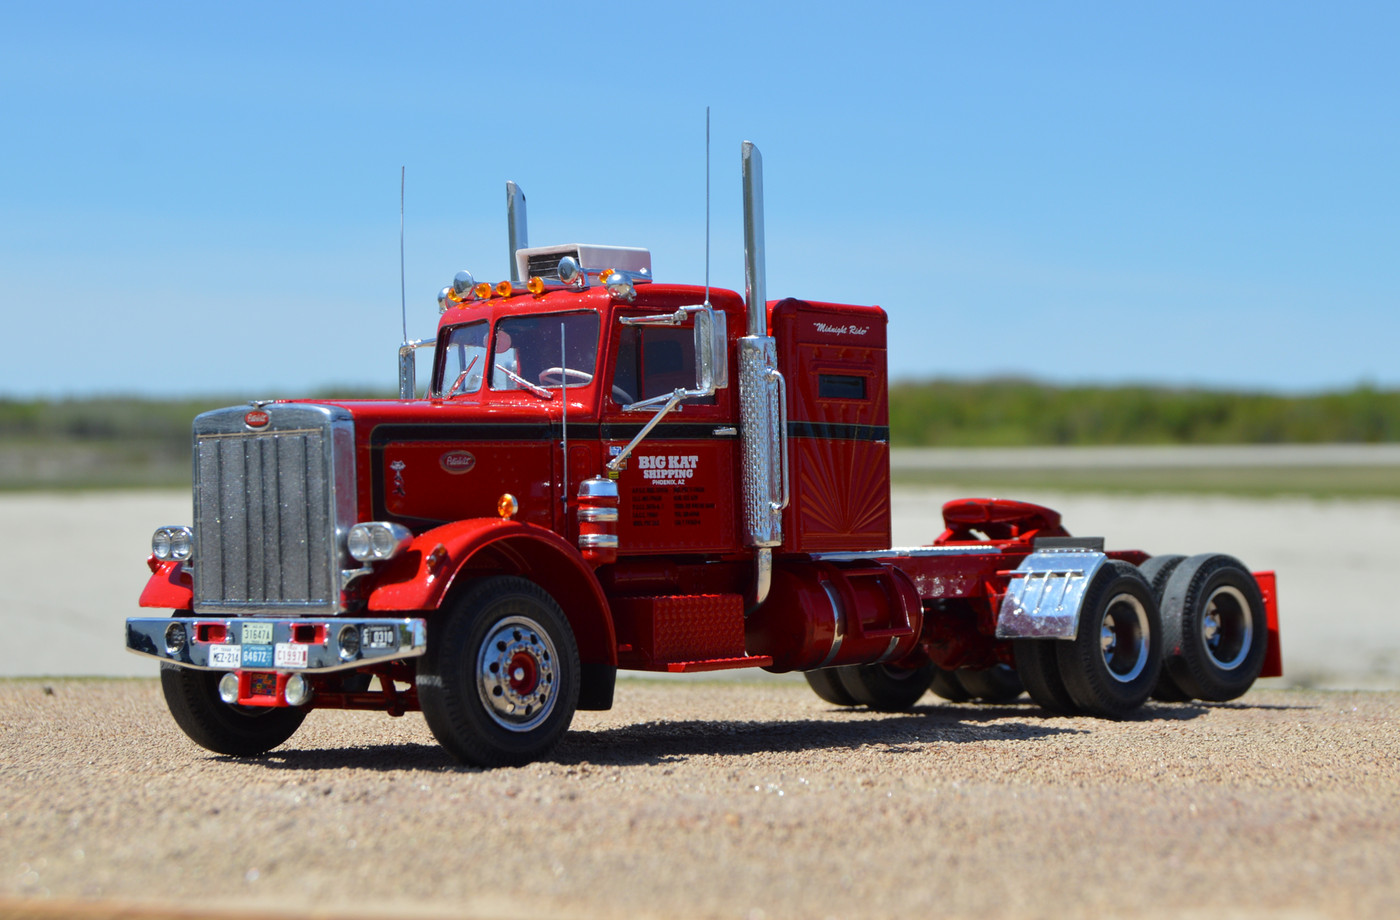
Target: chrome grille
(265, 514)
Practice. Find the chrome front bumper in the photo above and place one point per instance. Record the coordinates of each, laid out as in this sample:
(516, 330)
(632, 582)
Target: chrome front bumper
(317, 645)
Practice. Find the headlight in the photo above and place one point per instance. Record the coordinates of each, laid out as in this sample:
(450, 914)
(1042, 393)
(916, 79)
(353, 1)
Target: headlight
(175, 638)
(298, 690)
(349, 642)
(173, 543)
(374, 541)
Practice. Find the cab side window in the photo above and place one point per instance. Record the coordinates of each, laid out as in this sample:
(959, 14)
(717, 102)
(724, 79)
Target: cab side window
(655, 361)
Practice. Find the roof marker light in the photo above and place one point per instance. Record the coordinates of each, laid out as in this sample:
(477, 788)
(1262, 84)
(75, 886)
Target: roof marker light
(504, 289)
(483, 290)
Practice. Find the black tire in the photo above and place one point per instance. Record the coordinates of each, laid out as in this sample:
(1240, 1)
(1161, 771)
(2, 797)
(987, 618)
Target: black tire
(997, 684)
(826, 683)
(238, 731)
(943, 683)
(1215, 626)
(1113, 662)
(500, 680)
(885, 687)
(1157, 570)
(1038, 665)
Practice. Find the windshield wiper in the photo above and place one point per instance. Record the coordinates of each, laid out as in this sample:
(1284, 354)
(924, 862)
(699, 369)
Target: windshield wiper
(462, 378)
(539, 391)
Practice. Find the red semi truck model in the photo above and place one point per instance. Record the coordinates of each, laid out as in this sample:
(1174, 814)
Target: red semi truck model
(610, 472)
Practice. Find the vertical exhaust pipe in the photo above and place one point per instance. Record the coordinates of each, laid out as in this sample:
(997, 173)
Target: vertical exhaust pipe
(516, 231)
(755, 280)
(760, 387)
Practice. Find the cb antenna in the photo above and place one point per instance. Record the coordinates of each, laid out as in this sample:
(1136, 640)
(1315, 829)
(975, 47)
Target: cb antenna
(707, 205)
(403, 298)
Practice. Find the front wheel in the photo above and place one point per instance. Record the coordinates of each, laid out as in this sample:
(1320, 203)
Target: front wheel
(238, 731)
(500, 681)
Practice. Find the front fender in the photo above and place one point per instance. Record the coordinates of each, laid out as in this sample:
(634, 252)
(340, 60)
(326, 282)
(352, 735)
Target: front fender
(421, 577)
(169, 587)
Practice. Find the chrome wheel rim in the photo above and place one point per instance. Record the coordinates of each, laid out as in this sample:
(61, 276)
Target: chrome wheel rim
(515, 674)
(1124, 638)
(1227, 628)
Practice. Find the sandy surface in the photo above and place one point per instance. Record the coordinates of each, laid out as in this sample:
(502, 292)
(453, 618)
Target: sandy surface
(716, 799)
(74, 565)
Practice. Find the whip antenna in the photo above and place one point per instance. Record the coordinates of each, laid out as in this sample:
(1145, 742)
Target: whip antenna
(707, 205)
(403, 296)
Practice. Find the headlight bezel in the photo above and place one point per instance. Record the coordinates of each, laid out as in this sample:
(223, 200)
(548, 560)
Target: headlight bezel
(173, 543)
(377, 541)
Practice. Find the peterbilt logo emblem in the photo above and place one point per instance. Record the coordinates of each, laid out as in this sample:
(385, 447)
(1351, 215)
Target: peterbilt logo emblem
(256, 419)
(457, 461)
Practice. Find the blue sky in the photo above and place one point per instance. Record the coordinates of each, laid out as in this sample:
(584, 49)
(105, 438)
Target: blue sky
(198, 198)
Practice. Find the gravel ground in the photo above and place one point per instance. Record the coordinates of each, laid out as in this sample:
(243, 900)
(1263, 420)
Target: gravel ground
(710, 799)
(1334, 559)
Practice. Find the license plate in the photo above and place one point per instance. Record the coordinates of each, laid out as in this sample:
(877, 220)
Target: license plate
(225, 656)
(257, 633)
(257, 656)
(379, 637)
(290, 655)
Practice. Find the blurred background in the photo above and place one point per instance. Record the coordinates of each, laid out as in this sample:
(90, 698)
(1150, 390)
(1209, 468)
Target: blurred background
(1139, 261)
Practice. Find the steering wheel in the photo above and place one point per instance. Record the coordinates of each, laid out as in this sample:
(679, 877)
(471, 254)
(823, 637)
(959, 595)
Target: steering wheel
(557, 376)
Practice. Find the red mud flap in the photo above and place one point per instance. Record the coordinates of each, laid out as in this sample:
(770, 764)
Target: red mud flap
(1273, 656)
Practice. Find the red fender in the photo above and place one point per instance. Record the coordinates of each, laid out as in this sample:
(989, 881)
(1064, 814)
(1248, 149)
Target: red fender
(170, 586)
(420, 577)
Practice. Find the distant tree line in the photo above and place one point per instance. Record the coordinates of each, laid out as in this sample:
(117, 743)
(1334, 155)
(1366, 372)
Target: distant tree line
(1011, 412)
(933, 413)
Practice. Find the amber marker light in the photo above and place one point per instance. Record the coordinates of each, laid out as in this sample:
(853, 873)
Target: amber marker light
(482, 291)
(507, 506)
(504, 289)
(535, 285)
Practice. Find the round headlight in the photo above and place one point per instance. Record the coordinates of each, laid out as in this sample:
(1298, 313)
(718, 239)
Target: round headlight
(175, 638)
(359, 543)
(374, 541)
(569, 270)
(181, 543)
(228, 688)
(297, 691)
(160, 544)
(620, 287)
(349, 642)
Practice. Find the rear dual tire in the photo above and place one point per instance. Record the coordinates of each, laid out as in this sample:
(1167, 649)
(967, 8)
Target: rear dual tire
(1112, 664)
(889, 688)
(882, 687)
(1216, 628)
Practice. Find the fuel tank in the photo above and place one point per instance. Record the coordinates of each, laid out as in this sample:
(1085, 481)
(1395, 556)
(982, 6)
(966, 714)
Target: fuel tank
(822, 614)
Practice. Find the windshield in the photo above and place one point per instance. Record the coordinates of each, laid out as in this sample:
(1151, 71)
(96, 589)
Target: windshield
(463, 360)
(527, 351)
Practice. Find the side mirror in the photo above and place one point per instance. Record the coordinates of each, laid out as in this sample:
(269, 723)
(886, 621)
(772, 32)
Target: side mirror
(711, 358)
(408, 366)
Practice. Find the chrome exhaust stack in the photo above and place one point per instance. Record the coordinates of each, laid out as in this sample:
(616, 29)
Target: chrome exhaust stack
(762, 395)
(516, 231)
